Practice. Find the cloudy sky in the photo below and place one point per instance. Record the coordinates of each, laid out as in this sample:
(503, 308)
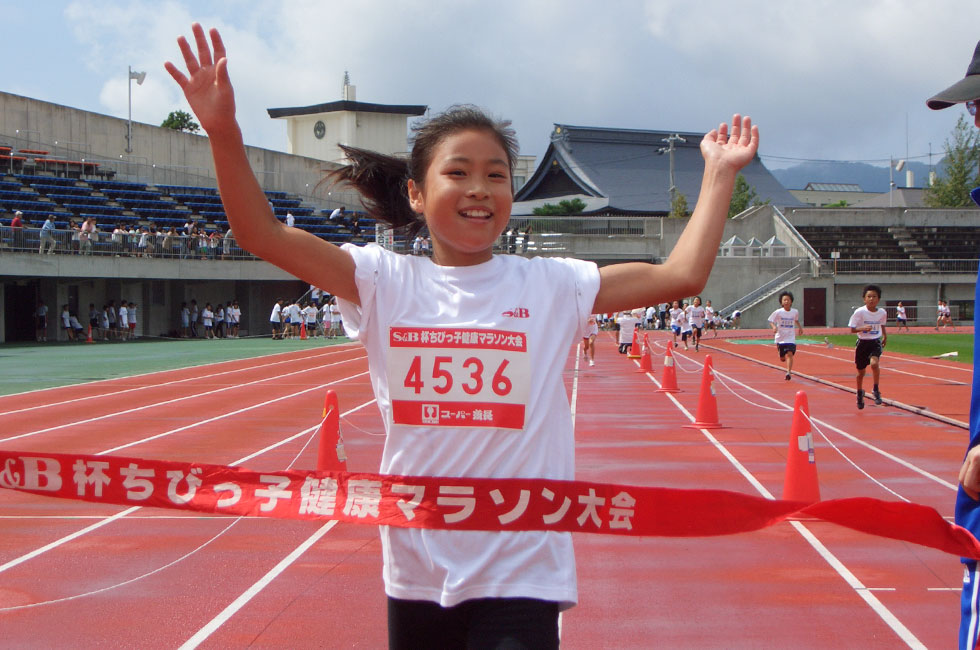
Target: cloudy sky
(824, 79)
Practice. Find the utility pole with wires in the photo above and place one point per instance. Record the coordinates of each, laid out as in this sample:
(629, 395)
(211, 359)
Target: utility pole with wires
(669, 149)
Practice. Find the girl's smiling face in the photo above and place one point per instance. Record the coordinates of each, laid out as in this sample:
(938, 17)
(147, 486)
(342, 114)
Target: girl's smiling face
(466, 197)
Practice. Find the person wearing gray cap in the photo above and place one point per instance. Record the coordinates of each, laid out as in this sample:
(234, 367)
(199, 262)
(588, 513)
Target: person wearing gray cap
(967, 91)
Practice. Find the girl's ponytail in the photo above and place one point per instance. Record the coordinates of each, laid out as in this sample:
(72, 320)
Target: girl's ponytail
(382, 182)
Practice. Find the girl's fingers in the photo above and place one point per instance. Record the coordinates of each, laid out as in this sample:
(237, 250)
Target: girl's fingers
(736, 128)
(219, 45)
(176, 74)
(189, 59)
(203, 49)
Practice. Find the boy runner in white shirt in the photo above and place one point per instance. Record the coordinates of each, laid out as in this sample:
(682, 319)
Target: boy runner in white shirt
(868, 322)
(785, 322)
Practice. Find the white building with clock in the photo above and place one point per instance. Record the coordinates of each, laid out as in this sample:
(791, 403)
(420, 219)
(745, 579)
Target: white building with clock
(315, 131)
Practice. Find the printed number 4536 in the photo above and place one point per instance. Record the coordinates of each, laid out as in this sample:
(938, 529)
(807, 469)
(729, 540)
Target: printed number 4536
(444, 374)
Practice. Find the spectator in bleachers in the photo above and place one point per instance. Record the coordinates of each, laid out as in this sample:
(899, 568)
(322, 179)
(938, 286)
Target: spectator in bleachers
(189, 227)
(202, 244)
(47, 236)
(355, 226)
(75, 236)
(85, 236)
(213, 242)
(167, 244)
(417, 245)
(118, 240)
(133, 239)
(226, 243)
(143, 242)
(337, 216)
(17, 230)
(290, 219)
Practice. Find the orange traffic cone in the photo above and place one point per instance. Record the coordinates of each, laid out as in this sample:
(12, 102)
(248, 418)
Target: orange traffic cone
(707, 417)
(302, 331)
(634, 352)
(801, 482)
(669, 384)
(89, 339)
(646, 364)
(331, 456)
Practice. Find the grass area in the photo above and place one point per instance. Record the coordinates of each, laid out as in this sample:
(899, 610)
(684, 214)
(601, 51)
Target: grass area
(922, 345)
(32, 366)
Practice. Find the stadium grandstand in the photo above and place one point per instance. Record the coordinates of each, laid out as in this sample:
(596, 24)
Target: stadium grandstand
(72, 165)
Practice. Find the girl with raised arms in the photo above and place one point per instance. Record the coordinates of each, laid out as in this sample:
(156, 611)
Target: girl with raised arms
(453, 588)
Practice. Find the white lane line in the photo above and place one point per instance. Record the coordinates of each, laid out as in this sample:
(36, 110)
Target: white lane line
(254, 590)
(68, 538)
(891, 368)
(177, 399)
(155, 385)
(229, 414)
(860, 589)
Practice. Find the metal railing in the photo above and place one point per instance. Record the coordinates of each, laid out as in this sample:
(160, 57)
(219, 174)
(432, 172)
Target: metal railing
(107, 243)
(786, 276)
(903, 266)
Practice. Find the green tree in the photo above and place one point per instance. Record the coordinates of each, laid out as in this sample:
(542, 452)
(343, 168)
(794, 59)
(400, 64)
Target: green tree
(181, 121)
(839, 204)
(743, 196)
(678, 206)
(564, 207)
(952, 189)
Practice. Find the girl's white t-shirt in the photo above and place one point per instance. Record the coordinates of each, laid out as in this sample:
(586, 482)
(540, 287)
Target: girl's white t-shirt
(517, 317)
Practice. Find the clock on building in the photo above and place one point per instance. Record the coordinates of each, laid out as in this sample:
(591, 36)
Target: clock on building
(319, 129)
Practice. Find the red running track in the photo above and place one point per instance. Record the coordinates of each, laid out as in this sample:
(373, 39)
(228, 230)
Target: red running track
(159, 579)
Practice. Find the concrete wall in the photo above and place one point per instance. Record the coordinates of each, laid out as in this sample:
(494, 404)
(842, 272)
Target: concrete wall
(159, 155)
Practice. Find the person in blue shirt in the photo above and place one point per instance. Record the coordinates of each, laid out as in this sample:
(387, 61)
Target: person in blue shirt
(47, 236)
(967, 91)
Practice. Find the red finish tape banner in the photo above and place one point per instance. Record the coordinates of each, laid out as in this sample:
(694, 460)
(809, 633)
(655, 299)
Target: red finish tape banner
(457, 503)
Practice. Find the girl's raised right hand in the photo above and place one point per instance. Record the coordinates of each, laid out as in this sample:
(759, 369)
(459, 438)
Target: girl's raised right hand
(207, 87)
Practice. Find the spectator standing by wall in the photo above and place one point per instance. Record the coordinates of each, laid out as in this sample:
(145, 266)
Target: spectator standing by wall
(131, 315)
(113, 322)
(41, 321)
(194, 315)
(66, 323)
(123, 321)
(275, 320)
(236, 318)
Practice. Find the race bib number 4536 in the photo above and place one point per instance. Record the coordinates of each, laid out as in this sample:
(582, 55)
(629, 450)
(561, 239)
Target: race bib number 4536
(457, 377)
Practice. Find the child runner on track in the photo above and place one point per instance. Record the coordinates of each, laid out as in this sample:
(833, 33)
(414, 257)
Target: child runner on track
(695, 315)
(676, 318)
(901, 318)
(453, 588)
(588, 338)
(785, 322)
(868, 322)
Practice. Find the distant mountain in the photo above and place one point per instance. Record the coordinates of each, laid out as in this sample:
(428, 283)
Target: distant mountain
(869, 177)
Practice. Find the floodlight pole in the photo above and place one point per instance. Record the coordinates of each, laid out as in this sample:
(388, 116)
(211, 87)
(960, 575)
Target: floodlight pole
(139, 77)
